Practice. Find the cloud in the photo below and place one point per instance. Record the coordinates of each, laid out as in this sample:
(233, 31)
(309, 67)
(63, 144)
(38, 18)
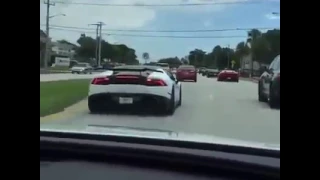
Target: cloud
(122, 17)
(272, 16)
(207, 23)
(113, 17)
(117, 17)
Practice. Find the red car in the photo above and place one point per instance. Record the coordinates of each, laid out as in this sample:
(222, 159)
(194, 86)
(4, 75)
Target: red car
(186, 72)
(228, 75)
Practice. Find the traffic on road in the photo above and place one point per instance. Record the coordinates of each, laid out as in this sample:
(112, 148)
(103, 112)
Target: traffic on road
(192, 84)
(208, 106)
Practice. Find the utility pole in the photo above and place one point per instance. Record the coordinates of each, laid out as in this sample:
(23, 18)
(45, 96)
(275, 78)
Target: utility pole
(98, 41)
(250, 40)
(215, 60)
(228, 66)
(97, 45)
(48, 50)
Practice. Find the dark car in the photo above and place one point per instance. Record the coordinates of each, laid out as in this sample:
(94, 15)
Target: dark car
(201, 69)
(269, 84)
(186, 72)
(212, 72)
(204, 72)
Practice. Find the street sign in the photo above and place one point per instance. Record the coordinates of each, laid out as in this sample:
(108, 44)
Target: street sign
(233, 62)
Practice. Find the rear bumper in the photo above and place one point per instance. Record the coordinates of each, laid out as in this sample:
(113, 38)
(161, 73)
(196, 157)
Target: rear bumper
(228, 78)
(276, 89)
(130, 89)
(112, 101)
(184, 77)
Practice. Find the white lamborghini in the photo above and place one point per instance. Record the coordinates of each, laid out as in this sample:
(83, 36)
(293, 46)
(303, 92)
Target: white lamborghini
(140, 85)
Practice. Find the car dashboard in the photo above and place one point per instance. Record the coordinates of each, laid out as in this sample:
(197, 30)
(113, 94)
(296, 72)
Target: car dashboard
(81, 159)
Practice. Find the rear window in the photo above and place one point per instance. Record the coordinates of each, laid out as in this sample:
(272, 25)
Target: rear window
(186, 67)
(163, 65)
(134, 71)
(81, 65)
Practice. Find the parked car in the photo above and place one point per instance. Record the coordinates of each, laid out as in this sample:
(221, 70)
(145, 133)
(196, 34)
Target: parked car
(269, 84)
(81, 68)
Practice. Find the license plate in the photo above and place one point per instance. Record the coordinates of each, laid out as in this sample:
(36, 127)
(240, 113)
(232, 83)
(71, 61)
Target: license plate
(125, 100)
(229, 77)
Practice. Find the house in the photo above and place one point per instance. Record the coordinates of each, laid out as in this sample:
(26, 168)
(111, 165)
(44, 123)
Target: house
(63, 49)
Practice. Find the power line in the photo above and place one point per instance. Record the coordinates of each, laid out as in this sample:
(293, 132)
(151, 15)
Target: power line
(161, 5)
(196, 30)
(153, 36)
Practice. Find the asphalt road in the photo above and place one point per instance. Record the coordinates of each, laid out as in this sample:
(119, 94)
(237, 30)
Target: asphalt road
(209, 107)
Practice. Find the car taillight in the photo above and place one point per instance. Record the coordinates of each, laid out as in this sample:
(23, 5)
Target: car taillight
(100, 81)
(155, 82)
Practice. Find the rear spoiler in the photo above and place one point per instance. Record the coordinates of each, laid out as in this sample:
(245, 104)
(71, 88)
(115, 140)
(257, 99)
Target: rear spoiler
(137, 70)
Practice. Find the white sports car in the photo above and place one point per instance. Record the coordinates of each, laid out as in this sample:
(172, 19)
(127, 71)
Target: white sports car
(140, 85)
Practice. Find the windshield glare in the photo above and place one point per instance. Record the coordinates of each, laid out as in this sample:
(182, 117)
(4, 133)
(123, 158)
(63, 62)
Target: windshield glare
(205, 84)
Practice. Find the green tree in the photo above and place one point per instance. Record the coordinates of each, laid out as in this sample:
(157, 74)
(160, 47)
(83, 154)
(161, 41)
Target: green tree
(196, 57)
(172, 61)
(263, 46)
(119, 53)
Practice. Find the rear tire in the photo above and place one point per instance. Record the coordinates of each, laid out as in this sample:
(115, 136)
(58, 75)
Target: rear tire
(273, 102)
(261, 96)
(170, 109)
(180, 96)
(93, 107)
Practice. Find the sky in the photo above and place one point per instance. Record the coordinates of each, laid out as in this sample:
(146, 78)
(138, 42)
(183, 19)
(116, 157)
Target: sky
(236, 14)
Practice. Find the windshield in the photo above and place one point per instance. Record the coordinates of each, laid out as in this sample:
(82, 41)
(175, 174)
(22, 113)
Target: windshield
(80, 65)
(200, 105)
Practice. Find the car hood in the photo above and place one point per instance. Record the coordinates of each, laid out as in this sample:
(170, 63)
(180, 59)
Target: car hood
(164, 134)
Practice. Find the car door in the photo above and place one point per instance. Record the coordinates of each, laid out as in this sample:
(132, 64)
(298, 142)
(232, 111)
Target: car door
(269, 74)
(176, 86)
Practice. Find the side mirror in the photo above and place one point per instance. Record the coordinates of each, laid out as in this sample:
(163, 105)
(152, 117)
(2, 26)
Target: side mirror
(177, 81)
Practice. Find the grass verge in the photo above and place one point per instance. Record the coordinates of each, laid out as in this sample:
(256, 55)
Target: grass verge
(59, 68)
(55, 96)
